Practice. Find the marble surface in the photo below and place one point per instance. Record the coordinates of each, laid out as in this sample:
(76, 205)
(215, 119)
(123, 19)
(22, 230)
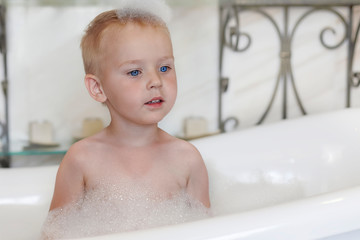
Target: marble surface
(46, 73)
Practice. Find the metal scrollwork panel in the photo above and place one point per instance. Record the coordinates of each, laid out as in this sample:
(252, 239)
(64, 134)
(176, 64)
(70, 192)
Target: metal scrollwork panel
(4, 128)
(233, 38)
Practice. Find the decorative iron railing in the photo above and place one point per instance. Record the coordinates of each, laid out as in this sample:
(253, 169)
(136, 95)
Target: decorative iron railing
(231, 34)
(4, 124)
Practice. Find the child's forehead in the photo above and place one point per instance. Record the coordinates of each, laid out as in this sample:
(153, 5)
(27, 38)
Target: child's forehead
(135, 41)
(130, 26)
(116, 32)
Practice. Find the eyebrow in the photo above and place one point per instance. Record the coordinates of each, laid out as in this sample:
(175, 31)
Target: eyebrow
(167, 58)
(136, 61)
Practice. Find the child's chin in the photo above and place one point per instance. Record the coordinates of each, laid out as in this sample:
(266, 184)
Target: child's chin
(154, 121)
(156, 118)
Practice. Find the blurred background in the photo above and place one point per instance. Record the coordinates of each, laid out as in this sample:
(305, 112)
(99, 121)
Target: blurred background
(45, 69)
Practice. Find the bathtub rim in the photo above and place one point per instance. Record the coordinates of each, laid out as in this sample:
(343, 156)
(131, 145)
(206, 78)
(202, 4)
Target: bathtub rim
(215, 228)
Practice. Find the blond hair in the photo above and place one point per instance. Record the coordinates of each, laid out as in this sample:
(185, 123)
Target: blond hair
(90, 42)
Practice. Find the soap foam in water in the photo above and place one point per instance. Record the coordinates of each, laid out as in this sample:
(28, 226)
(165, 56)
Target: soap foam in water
(111, 209)
(102, 213)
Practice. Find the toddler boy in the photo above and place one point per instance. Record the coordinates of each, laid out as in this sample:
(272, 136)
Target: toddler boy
(129, 66)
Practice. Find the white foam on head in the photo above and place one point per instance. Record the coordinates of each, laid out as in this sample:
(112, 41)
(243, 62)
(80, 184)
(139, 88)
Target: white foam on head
(158, 8)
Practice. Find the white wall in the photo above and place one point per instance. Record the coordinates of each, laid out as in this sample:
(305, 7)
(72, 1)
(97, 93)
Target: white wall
(46, 73)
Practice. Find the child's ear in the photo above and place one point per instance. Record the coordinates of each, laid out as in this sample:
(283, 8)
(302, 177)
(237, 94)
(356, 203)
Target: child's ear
(94, 88)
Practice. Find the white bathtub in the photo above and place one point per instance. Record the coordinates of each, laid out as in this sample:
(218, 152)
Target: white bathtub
(297, 179)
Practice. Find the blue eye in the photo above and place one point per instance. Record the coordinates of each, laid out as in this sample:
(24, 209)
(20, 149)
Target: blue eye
(134, 73)
(164, 68)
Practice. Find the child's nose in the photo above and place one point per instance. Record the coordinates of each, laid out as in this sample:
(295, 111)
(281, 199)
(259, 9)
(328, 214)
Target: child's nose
(154, 81)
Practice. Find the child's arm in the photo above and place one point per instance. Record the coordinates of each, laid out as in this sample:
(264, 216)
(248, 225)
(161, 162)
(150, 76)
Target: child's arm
(69, 185)
(198, 183)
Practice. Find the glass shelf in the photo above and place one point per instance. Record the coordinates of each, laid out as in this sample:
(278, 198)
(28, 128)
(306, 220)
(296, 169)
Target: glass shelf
(22, 148)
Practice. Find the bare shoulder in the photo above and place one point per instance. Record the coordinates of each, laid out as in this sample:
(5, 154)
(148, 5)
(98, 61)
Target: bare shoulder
(186, 150)
(78, 151)
(88, 146)
(198, 182)
(70, 183)
(75, 170)
(79, 154)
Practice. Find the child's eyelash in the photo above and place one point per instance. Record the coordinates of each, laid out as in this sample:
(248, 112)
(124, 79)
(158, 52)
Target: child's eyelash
(134, 73)
(164, 68)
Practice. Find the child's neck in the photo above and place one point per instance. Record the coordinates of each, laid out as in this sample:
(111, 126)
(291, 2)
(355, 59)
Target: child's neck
(134, 135)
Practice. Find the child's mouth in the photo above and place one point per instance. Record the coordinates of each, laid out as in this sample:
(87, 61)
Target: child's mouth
(155, 102)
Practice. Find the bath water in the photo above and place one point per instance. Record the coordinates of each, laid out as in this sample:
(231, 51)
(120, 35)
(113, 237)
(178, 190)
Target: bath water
(109, 209)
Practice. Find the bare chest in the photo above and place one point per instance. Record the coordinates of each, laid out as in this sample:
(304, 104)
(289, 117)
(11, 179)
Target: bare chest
(157, 174)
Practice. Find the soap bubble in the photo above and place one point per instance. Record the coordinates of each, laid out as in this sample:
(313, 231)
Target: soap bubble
(111, 209)
(156, 7)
